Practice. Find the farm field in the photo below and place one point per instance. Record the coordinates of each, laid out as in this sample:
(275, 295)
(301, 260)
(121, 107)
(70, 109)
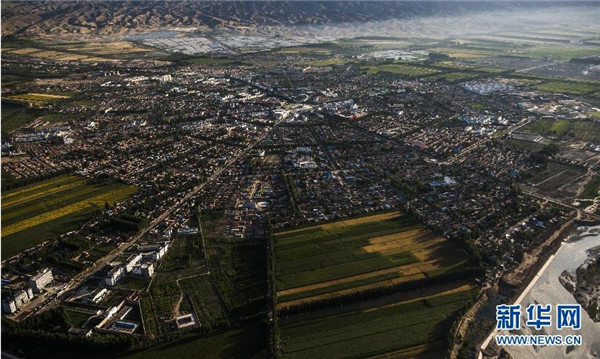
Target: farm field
(171, 291)
(588, 131)
(557, 176)
(507, 45)
(35, 213)
(15, 116)
(357, 254)
(214, 61)
(36, 99)
(77, 51)
(400, 70)
(457, 76)
(243, 342)
(405, 329)
(591, 188)
(233, 290)
(568, 87)
(201, 298)
(238, 274)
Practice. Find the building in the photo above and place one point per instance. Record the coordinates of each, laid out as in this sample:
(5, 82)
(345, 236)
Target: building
(19, 299)
(155, 251)
(9, 306)
(132, 261)
(97, 295)
(41, 280)
(147, 270)
(114, 275)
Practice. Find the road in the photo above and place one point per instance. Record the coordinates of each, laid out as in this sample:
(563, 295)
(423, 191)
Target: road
(81, 277)
(463, 154)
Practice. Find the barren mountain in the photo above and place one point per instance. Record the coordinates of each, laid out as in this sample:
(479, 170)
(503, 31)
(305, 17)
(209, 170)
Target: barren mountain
(106, 18)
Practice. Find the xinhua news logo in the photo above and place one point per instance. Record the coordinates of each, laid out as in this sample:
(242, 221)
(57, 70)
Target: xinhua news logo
(538, 316)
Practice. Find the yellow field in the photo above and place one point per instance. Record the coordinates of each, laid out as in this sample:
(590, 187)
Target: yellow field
(348, 222)
(461, 288)
(36, 98)
(433, 252)
(79, 51)
(96, 201)
(361, 220)
(34, 188)
(6, 204)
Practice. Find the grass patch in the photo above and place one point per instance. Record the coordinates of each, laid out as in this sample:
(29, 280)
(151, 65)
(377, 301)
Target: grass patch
(568, 87)
(355, 253)
(34, 99)
(580, 130)
(35, 213)
(243, 342)
(403, 70)
(375, 330)
(15, 116)
(590, 190)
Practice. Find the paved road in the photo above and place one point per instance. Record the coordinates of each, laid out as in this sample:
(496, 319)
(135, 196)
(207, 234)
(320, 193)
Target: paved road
(463, 154)
(81, 277)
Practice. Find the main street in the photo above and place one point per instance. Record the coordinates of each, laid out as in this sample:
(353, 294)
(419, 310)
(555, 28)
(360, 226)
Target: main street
(82, 276)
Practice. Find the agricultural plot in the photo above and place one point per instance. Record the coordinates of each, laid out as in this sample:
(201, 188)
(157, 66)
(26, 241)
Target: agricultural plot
(587, 131)
(184, 259)
(200, 297)
(568, 87)
(405, 329)
(591, 188)
(244, 342)
(15, 116)
(239, 276)
(79, 51)
(403, 70)
(358, 254)
(532, 47)
(159, 305)
(558, 176)
(173, 290)
(35, 99)
(35, 213)
(457, 76)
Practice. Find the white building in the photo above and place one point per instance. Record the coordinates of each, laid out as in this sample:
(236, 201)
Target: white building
(147, 269)
(97, 295)
(132, 261)
(114, 276)
(19, 299)
(41, 280)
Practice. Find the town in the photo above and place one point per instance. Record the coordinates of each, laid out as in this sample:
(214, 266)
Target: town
(149, 199)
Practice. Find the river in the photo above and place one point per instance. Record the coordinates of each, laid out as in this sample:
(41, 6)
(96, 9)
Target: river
(548, 290)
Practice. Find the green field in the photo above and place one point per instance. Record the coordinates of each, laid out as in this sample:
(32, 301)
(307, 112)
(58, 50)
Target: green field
(580, 130)
(15, 116)
(185, 258)
(423, 324)
(329, 62)
(201, 298)
(556, 175)
(476, 106)
(234, 289)
(243, 342)
(37, 212)
(357, 254)
(568, 87)
(239, 277)
(214, 61)
(36, 99)
(457, 76)
(403, 70)
(591, 188)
